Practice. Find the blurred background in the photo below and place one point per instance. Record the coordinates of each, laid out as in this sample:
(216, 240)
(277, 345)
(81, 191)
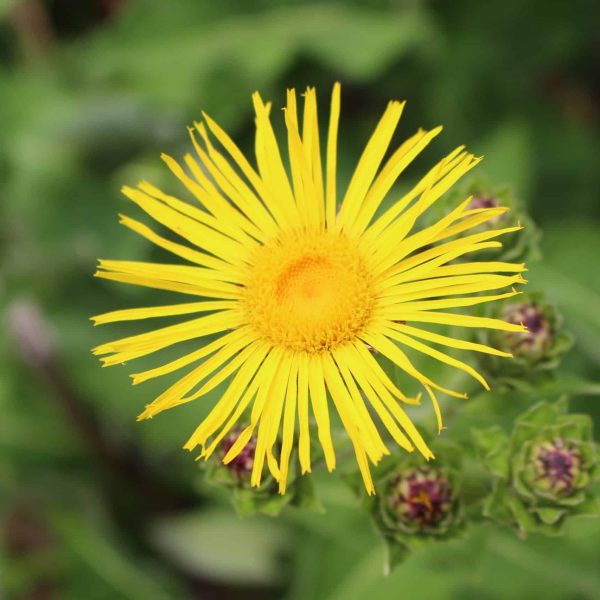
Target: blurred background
(95, 506)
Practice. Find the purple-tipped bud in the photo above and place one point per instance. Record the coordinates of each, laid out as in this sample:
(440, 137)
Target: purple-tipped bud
(421, 499)
(242, 464)
(557, 464)
(536, 341)
(483, 202)
(479, 202)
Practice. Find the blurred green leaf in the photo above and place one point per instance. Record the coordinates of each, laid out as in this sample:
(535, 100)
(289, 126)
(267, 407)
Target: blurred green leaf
(222, 547)
(101, 556)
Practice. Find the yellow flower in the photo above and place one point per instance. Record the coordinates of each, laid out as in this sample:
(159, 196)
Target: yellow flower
(301, 294)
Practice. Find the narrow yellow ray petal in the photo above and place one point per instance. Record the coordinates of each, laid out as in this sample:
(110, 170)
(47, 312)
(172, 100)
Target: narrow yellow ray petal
(489, 282)
(399, 229)
(395, 354)
(422, 271)
(273, 422)
(351, 366)
(436, 408)
(445, 340)
(272, 364)
(393, 254)
(236, 188)
(471, 268)
(193, 212)
(306, 197)
(311, 143)
(434, 283)
(239, 353)
(369, 163)
(442, 254)
(248, 220)
(238, 395)
(135, 314)
(171, 272)
(289, 423)
(199, 285)
(229, 273)
(146, 343)
(356, 429)
(462, 321)
(291, 121)
(331, 163)
(379, 449)
(239, 227)
(397, 163)
(435, 268)
(169, 286)
(173, 395)
(269, 379)
(228, 220)
(441, 356)
(379, 373)
(253, 177)
(397, 411)
(230, 338)
(318, 399)
(198, 233)
(394, 312)
(304, 189)
(270, 165)
(481, 216)
(304, 430)
(344, 406)
(467, 244)
(436, 173)
(270, 420)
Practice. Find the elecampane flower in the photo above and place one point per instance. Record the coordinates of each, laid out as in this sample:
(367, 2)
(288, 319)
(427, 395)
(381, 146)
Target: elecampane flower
(301, 290)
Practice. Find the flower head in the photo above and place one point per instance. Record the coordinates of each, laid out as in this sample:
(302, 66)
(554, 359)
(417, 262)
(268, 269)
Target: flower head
(305, 293)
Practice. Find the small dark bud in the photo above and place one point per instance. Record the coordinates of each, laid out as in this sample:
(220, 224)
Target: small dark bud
(421, 499)
(535, 342)
(241, 465)
(556, 466)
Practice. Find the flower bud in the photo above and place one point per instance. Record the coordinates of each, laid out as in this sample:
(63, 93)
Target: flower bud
(545, 471)
(536, 351)
(420, 499)
(241, 465)
(486, 201)
(535, 342)
(554, 468)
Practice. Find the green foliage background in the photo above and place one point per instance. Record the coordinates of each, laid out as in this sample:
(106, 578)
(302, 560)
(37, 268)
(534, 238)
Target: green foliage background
(94, 506)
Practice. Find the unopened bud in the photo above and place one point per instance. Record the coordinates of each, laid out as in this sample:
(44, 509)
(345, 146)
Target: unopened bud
(556, 465)
(483, 201)
(421, 499)
(533, 343)
(242, 464)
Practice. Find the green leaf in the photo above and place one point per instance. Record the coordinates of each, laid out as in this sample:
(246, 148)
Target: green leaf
(222, 547)
(492, 445)
(115, 568)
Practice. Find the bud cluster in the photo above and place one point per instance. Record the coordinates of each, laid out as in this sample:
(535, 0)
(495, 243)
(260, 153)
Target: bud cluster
(546, 471)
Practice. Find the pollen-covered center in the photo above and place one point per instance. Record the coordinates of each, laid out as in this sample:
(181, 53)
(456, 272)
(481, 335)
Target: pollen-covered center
(308, 292)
